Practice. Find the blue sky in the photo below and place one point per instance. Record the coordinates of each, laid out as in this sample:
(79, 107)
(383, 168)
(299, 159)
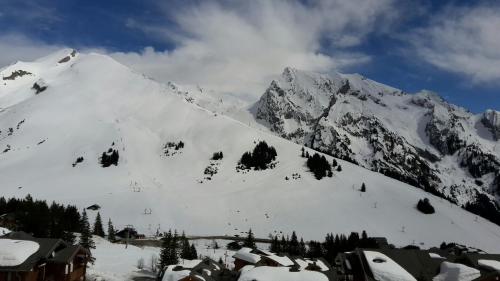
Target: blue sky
(450, 47)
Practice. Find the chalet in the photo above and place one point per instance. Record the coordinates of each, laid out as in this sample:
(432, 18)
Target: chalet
(198, 270)
(413, 264)
(25, 258)
(487, 264)
(261, 258)
(8, 220)
(244, 257)
(129, 233)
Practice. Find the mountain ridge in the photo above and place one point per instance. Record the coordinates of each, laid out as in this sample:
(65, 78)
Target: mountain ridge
(417, 138)
(93, 105)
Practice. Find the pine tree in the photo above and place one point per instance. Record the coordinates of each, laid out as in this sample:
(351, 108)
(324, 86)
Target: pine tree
(174, 246)
(98, 229)
(86, 236)
(302, 248)
(283, 244)
(167, 256)
(364, 236)
(194, 254)
(363, 188)
(250, 240)
(294, 245)
(185, 247)
(111, 231)
(339, 168)
(275, 245)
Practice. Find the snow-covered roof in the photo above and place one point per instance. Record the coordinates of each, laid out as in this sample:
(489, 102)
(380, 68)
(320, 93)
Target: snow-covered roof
(385, 269)
(435, 256)
(247, 255)
(15, 252)
(171, 275)
(266, 273)
(491, 264)
(282, 260)
(456, 272)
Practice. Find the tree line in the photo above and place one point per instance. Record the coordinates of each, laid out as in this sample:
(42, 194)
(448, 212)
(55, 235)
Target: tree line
(39, 219)
(328, 249)
(175, 247)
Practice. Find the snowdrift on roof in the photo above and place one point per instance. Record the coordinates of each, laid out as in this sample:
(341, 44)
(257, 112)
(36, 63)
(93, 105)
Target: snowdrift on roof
(15, 252)
(265, 273)
(456, 272)
(385, 269)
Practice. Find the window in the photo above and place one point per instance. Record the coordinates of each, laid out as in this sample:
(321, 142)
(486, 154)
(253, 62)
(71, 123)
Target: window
(379, 260)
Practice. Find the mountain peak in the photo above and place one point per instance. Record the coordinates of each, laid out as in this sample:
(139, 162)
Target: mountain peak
(59, 56)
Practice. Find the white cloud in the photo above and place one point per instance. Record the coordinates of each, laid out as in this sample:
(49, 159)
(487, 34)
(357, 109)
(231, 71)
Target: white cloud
(463, 40)
(14, 47)
(238, 47)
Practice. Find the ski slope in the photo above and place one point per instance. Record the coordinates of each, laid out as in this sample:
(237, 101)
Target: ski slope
(93, 103)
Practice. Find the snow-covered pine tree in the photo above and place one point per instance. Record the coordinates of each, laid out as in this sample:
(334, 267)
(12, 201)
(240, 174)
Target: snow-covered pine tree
(98, 228)
(86, 235)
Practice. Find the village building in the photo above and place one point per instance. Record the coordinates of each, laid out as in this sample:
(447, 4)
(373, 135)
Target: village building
(247, 259)
(25, 258)
(414, 264)
(244, 257)
(198, 270)
(8, 221)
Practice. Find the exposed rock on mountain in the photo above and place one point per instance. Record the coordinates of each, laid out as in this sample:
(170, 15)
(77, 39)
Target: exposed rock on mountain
(420, 139)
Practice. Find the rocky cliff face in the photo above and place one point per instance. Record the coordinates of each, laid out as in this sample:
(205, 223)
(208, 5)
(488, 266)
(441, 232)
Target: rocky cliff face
(491, 119)
(420, 139)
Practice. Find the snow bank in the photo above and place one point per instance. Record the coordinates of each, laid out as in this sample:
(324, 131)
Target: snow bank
(246, 255)
(4, 231)
(15, 252)
(265, 273)
(491, 264)
(456, 272)
(385, 269)
(114, 262)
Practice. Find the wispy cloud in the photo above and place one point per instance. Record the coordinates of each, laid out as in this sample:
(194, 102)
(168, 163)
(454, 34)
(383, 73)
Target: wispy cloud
(14, 47)
(238, 47)
(462, 40)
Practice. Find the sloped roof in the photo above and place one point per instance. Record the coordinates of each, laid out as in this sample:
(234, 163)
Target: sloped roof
(418, 263)
(247, 255)
(44, 252)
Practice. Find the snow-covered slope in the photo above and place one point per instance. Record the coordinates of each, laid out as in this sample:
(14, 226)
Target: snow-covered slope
(420, 139)
(93, 104)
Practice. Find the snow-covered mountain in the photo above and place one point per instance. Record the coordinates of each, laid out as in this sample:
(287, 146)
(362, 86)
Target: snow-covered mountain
(60, 114)
(420, 139)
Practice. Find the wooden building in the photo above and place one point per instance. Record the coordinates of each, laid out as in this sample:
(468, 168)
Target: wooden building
(53, 260)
